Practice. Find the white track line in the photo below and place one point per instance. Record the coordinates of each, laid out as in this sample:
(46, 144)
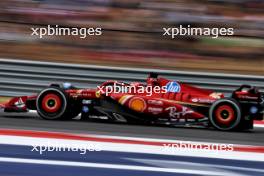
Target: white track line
(111, 166)
(135, 148)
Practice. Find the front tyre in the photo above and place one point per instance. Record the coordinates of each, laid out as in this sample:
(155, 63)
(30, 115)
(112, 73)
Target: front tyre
(225, 114)
(52, 103)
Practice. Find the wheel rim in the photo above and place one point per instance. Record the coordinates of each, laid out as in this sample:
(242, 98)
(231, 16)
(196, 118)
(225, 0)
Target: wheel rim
(226, 122)
(225, 114)
(51, 103)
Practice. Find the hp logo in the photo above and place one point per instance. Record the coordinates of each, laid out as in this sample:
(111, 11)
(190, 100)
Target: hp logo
(173, 87)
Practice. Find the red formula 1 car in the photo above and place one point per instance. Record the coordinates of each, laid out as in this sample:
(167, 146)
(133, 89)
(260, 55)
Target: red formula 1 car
(158, 101)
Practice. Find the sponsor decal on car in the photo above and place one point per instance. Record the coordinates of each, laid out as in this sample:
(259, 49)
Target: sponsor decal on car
(174, 113)
(173, 87)
(202, 100)
(195, 100)
(85, 109)
(97, 94)
(98, 117)
(190, 120)
(20, 103)
(216, 95)
(253, 110)
(155, 102)
(137, 104)
(247, 97)
(155, 110)
(87, 101)
(78, 93)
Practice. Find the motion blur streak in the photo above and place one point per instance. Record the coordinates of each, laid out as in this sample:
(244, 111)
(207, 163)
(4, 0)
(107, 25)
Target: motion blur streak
(20, 77)
(117, 158)
(133, 35)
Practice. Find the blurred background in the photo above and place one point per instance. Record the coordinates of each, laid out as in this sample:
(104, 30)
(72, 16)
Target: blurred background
(132, 33)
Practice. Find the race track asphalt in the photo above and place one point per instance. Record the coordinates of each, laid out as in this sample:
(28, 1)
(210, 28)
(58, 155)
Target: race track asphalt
(33, 122)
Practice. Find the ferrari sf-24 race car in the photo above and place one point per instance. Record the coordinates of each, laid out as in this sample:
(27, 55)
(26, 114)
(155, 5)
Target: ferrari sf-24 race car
(158, 101)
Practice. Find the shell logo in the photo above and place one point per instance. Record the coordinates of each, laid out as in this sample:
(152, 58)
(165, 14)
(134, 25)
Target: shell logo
(97, 94)
(137, 104)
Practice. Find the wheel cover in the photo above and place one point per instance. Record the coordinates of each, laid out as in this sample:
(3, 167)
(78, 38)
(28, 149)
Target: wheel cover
(51, 103)
(225, 114)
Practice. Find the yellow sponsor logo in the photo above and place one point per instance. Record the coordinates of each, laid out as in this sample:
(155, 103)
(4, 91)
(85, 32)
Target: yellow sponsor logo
(97, 94)
(137, 104)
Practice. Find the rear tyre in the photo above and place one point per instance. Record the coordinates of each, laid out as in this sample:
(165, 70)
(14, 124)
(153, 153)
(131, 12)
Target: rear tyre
(52, 104)
(225, 114)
